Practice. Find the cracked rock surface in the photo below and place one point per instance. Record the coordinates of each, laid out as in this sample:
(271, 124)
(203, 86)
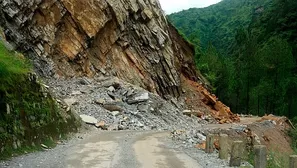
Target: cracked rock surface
(130, 39)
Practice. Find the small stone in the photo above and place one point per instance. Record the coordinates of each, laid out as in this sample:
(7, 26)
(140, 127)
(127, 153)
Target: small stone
(115, 113)
(113, 127)
(111, 95)
(101, 125)
(147, 14)
(143, 107)
(70, 101)
(100, 101)
(187, 111)
(193, 113)
(102, 70)
(130, 93)
(75, 93)
(122, 127)
(140, 125)
(114, 82)
(111, 89)
(142, 98)
(112, 107)
(201, 137)
(191, 141)
(85, 81)
(89, 119)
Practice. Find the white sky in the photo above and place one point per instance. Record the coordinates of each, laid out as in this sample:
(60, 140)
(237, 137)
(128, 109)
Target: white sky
(170, 6)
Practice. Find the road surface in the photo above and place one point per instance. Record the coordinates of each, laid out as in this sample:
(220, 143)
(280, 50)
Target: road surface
(110, 150)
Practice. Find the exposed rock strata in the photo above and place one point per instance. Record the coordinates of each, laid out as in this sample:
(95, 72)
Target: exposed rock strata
(130, 39)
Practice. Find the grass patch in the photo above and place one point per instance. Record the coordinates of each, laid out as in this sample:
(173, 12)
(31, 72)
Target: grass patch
(275, 159)
(293, 135)
(12, 65)
(278, 160)
(11, 152)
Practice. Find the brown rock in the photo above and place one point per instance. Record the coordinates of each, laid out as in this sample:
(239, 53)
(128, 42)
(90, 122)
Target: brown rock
(216, 144)
(129, 39)
(276, 119)
(83, 37)
(101, 125)
(201, 145)
(112, 107)
(193, 113)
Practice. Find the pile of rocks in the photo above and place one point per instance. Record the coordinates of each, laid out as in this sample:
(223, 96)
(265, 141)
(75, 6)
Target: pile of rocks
(188, 138)
(112, 104)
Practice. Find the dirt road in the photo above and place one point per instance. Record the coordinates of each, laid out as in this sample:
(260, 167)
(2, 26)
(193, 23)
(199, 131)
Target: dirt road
(124, 149)
(110, 150)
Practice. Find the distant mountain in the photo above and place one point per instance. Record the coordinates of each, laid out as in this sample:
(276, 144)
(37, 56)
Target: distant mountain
(218, 23)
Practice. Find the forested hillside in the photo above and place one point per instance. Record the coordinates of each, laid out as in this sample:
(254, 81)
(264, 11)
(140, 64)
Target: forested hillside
(218, 23)
(247, 52)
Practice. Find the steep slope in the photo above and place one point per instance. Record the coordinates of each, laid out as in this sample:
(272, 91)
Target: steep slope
(218, 23)
(126, 38)
(253, 69)
(29, 114)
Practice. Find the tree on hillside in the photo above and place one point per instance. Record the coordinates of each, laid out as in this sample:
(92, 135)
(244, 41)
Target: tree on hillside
(247, 49)
(278, 62)
(210, 65)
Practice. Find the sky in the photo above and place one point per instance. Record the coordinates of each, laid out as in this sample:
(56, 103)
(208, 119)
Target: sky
(170, 6)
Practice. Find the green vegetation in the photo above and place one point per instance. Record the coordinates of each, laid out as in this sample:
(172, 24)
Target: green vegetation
(12, 65)
(218, 23)
(9, 151)
(275, 159)
(29, 116)
(293, 134)
(247, 49)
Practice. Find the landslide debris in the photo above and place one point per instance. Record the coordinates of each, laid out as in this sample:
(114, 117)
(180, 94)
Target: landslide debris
(128, 39)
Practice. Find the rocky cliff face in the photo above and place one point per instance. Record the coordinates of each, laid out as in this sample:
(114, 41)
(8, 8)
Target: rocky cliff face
(130, 39)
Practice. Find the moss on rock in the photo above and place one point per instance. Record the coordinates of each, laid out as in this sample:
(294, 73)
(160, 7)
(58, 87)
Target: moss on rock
(29, 115)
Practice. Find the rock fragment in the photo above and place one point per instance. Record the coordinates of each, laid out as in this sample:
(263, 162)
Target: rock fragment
(141, 98)
(88, 119)
(101, 125)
